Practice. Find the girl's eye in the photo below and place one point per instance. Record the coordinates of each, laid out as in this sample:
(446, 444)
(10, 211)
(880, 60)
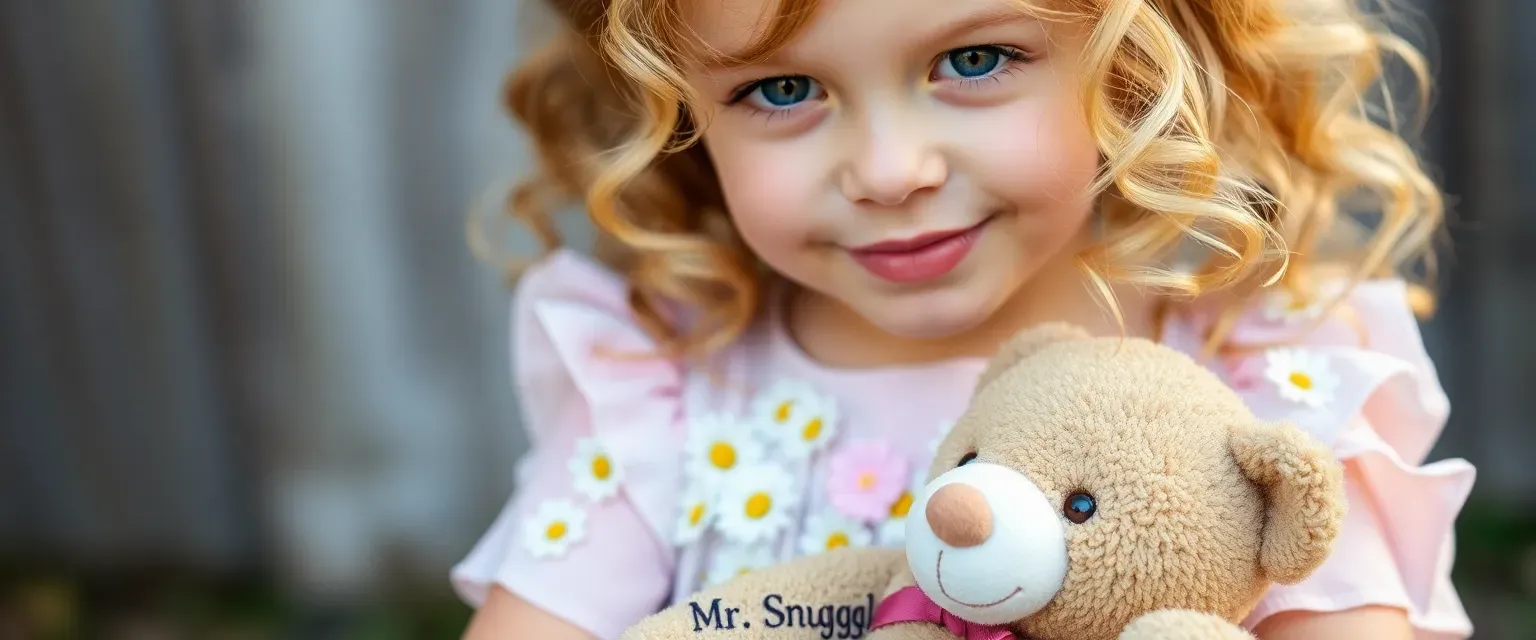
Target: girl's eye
(973, 63)
(774, 94)
(1079, 507)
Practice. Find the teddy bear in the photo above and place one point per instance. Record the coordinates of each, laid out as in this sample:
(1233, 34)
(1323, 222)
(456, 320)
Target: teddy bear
(1095, 488)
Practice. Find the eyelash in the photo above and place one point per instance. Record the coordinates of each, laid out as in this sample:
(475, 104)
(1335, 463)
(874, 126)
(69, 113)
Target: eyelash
(1012, 56)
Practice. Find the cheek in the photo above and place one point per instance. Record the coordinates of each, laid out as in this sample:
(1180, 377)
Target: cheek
(769, 188)
(1039, 156)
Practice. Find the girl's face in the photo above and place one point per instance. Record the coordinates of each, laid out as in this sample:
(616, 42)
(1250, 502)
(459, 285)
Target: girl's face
(916, 161)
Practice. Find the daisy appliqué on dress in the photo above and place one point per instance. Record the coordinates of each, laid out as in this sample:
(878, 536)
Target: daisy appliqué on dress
(735, 560)
(555, 526)
(1287, 308)
(595, 472)
(831, 530)
(892, 532)
(744, 490)
(756, 503)
(1301, 376)
(795, 418)
(717, 445)
(696, 515)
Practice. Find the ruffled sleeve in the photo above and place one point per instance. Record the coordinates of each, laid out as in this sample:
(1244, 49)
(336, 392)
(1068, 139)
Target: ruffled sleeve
(1362, 382)
(584, 534)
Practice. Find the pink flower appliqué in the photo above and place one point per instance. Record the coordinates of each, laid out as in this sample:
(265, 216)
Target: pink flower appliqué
(865, 478)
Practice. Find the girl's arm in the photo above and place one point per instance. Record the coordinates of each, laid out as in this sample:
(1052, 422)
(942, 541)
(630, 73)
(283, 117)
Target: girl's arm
(611, 561)
(1377, 623)
(507, 617)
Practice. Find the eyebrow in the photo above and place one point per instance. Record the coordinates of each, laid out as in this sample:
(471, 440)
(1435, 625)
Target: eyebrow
(980, 20)
(951, 30)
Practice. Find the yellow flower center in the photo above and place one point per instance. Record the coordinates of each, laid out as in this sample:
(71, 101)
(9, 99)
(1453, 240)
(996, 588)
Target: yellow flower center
(601, 467)
(555, 531)
(902, 505)
(1301, 380)
(722, 455)
(836, 540)
(758, 505)
(782, 413)
(696, 514)
(867, 481)
(812, 429)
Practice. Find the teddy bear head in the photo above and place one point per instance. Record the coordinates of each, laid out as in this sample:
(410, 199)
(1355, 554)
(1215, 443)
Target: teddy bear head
(1093, 480)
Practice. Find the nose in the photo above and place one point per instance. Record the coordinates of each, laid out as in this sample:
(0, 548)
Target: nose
(893, 163)
(958, 514)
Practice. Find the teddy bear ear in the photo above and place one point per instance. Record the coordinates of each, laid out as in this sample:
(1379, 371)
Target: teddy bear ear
(1303, 484)
(1027, 343)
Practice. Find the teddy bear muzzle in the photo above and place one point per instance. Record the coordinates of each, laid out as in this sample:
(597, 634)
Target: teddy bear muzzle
(989, 546)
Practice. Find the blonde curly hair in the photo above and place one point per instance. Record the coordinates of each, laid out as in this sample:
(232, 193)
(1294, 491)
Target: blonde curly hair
(1238, 128)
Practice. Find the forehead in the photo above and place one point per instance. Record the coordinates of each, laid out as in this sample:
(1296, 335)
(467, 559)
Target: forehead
(739, 28)
(755, 28)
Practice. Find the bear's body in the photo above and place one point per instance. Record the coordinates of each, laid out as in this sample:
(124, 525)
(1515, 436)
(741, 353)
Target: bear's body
(1096, 488)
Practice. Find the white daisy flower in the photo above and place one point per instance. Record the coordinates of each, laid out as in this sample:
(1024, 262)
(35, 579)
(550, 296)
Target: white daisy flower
(830, 531)
(596, 470)
(554, 527)
(718, 444)
(1301, 376)
(1286, 307)
(694, 515)
(735, 560)
(754, 503)
(794, 415)
(893, 530)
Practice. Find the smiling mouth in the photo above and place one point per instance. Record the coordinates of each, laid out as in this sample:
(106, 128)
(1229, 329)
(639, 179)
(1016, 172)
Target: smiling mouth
(923, 258)
(938, 572)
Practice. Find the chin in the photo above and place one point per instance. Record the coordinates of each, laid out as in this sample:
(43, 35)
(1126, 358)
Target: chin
(932, 314)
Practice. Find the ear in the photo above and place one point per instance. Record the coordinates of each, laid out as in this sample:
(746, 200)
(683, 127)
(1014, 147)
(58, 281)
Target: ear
(1303, 485)
(1027, 343)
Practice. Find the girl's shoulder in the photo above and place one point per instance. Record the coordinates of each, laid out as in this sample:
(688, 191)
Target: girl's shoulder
(1355, 374)
(573, 328)
(1353, 350)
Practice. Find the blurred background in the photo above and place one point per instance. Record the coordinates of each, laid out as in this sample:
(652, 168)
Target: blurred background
(253, 384)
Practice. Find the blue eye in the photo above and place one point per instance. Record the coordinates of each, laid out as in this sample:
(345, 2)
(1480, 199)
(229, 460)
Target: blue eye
(782, 92)
(1079, 507)
(976, 62)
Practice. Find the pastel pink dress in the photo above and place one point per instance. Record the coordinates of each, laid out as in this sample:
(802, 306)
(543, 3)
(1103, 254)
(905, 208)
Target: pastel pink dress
(647, 480)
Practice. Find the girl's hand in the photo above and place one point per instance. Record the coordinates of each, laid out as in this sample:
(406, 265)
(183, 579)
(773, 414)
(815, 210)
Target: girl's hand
(1383, 623)
(507, 617)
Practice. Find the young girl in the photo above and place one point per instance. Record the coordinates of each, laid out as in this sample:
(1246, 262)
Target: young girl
(820, 219)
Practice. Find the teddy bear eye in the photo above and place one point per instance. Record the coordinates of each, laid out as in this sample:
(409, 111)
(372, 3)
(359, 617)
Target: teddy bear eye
(1079, 507)
(966, 459)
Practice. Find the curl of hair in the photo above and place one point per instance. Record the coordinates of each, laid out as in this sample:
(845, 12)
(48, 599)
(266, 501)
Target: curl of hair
(1236, 128)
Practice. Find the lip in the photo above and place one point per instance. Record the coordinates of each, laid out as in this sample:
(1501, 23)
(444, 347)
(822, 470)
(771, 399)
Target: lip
(919, 258)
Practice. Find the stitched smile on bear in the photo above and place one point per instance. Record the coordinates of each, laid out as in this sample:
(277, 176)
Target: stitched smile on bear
(938, 572)
(959, 516)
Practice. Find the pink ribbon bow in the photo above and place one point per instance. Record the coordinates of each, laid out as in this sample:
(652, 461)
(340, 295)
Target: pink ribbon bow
(910, 604)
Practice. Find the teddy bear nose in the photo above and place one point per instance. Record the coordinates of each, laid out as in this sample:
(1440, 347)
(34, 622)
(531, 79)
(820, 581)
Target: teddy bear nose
(959, 515)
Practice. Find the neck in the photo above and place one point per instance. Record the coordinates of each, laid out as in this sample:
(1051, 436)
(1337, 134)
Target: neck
(835, 335)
